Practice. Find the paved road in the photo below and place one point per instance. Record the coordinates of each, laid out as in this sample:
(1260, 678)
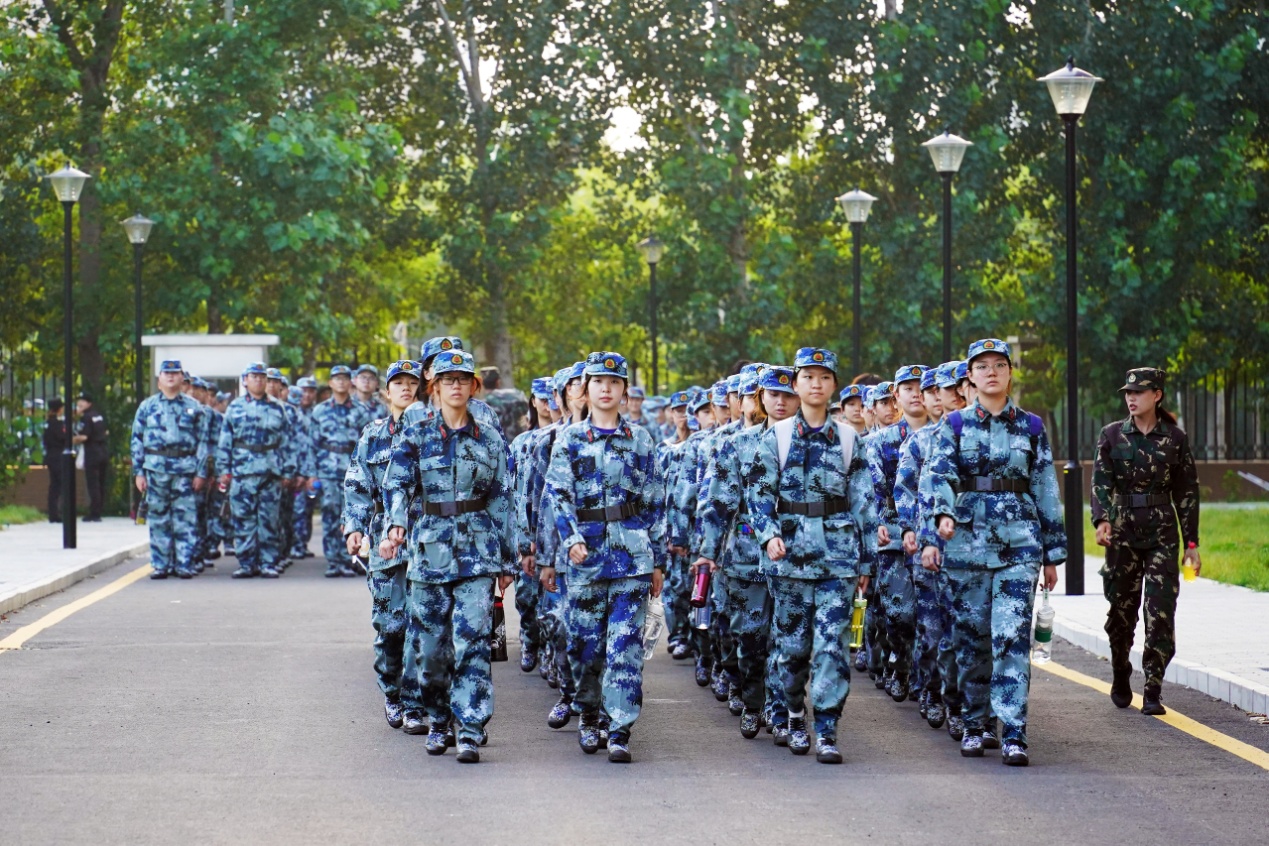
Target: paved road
(216, 711)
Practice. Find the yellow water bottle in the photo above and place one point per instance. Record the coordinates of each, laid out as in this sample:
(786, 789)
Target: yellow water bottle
(1187, 568)
(857, 623)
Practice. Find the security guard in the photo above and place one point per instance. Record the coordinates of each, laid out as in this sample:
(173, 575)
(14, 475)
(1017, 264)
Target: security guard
(335, 427)
(169, 454)
(92, 434)
(1144, 479)
(253, 460)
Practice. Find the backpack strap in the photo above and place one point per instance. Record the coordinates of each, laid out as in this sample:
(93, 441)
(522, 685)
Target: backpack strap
(1036, 425)
(957, 422)
(847, 436)
(784, 437)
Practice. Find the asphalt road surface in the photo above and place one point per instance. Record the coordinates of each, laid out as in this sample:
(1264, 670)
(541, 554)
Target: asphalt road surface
(220, 711)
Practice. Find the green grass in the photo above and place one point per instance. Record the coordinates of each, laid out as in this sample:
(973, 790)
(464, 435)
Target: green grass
(13, 515)
(1233, 542)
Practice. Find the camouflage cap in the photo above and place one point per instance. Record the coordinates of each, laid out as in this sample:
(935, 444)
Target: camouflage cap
(815, 357)
(680, 399)
(455, 361)
(733, 383)
(1145, 379)
(561, 379)
(294, 395)
(749, 383)
(306, 382)
(909, 373)
(435, 346)
(718, 393)
(637, 392)
(368, 368)
(852, 392)
(884, 391)
(541, 387)
(340, 370)
(274, 373)
(404, 367)
(255, 367)
(948, 374)
(171, 366)
(778, 379)
(698, 401)
(930, 379)
(988, 345)
(606, 364)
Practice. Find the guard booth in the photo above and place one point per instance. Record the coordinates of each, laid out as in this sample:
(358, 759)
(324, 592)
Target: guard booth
(219, 359)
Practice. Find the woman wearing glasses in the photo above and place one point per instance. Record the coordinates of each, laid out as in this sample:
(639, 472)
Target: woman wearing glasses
(462, 543)
(993, 492)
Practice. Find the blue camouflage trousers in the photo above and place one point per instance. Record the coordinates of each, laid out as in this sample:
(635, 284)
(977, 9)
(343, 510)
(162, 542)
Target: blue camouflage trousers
(812, 622)
(678, 589)
(898, 603)
(216, 530)
(528, 597)
(172, 506)
(333, 546)
(449, 631)
(253, 502)
(931, 621)
(551, 619)
(388, 616)
(301, 523)
(948, 674)
(605, 647)
(991, 627)
(750, 606)
(875, 643)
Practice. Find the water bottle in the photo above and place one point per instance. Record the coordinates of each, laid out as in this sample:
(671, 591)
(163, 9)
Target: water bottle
(1042, 650)
(700, 589)
(857, 623)
(225, 510)
(653, 626)
(143, 510)
(702, 616)
(361, 561)
(316, 490)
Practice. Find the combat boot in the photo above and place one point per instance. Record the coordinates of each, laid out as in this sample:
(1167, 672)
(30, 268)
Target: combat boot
(799, 739)
(923, 707)
(333, 571)
(561, 713)
(681, 650)
(898, 687)
(718, 686)
(735, 704)
(243, 573)
(1153, 707)
(935, 711)
(588, 732)
(990, 739)
(955, 727)
(439, 739)
(412, 722)
(159, 575)
(269, 573)
(702, 673)
(780, 734)
(467, 752)
(1014, 754)
(749, 725)
(393, 713)
(1120, 689)
(603, 731)
(861, 661)
(826, 751)
(972, 745)
(619, 749)
(528, 660)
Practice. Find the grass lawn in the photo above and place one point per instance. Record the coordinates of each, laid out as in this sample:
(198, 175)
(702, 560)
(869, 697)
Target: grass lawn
(1233, 541)
(12, 515)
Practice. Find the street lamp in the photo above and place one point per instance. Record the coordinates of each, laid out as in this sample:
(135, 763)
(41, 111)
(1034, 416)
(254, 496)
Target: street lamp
(68, 184)
(138, 229)
(856, 204)
(1071, 89)
(652, 248)
(947, 151)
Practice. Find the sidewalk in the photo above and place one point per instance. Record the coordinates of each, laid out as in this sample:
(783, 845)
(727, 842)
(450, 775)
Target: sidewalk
(34, 565)
(1222, 640)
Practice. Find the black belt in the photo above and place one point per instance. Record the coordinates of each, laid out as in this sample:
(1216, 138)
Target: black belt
(822, 508)
(988, 484)
(170, 452)
(342, 449)
(455, 507)
(610, 514)
(256, 447)
(1142, 500)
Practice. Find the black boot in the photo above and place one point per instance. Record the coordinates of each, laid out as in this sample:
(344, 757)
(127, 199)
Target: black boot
(1120, 690)
(1153, 707)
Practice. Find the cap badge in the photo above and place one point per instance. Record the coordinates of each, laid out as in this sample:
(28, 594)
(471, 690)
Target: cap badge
(819, 356)
(446, 344)
(784, 380)
(1132, 377)
(456, 359)
(610, 364)
(990, 345)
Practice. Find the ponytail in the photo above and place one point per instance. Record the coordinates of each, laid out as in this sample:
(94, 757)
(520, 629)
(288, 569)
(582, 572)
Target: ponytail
(1164, 415)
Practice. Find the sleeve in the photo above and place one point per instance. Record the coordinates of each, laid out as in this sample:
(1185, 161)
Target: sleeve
(225, 446)
(558, 491)
(652, 501)
(202, 447)
(358, 490)
(907, 480)
(940, 475)
(680, 510)
(720, 500)
(876, 467)
(401, 479)
(1044, 487)
(136, 443)
(762, 488)
(1103, 481)
(500, 508)
(863, 508)
(1185, 493)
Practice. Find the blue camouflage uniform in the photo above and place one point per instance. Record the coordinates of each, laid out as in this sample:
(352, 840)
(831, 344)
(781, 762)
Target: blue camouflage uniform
(994, 476)
(333, 431)
(826, 515)
(670, 461)
(461, 541)
(253, 450)
(299, 447)
(302, 504)
(169, 448)
(603, 491)
(216, 531)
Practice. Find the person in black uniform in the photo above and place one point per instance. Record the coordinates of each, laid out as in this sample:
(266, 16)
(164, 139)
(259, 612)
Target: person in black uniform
(91, 432)
(54, 446)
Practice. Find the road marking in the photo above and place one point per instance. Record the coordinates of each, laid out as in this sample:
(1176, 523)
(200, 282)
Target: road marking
(22, 635)
(1178, 721)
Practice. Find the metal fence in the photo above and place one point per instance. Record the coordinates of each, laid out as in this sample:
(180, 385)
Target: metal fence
(1225, 414)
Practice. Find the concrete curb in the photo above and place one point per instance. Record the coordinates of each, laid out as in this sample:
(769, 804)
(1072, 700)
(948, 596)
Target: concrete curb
(1218, 684)
(33, 591)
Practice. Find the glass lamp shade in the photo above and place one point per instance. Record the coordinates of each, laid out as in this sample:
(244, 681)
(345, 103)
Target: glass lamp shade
(1070, 87)
(651, 248)
(138, 228)
(68, 184)
(856, 204)
(947, 151)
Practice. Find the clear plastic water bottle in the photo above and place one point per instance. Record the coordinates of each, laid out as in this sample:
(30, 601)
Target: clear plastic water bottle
(316, 490)
(653, 626)
(1042, 646)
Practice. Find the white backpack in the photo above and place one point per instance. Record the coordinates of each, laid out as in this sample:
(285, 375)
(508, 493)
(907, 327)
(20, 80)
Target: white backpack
(784, 437)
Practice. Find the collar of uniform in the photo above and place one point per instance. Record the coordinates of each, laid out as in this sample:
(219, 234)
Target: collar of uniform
(828, 430)
(472, 429)
(1160, 426)
(1009, 412)
(623, 429)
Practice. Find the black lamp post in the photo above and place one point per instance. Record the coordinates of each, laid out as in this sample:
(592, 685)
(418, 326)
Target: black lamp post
(856, 204)
(651, 248)
(68, 184)
(1071, 89)
(138, 229)
(947, 151)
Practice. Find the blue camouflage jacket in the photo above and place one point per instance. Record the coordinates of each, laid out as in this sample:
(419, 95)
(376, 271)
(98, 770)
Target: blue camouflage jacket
(883, 463)
(365, 509)
(592, 469)
(841, 545)
(433, 464)
(725, 534)
(253, 440)
(914, 512)
(681, 517)
(536, 523)
(170, 436)
(333, 432)
(993, 528)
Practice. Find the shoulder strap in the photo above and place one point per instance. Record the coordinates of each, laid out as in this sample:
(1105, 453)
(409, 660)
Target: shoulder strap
(847, 437)
(1036, 424)
(784, 437)
(957, 422)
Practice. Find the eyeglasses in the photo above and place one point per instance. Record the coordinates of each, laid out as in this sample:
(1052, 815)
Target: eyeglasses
(451, 381)
(999, 367)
